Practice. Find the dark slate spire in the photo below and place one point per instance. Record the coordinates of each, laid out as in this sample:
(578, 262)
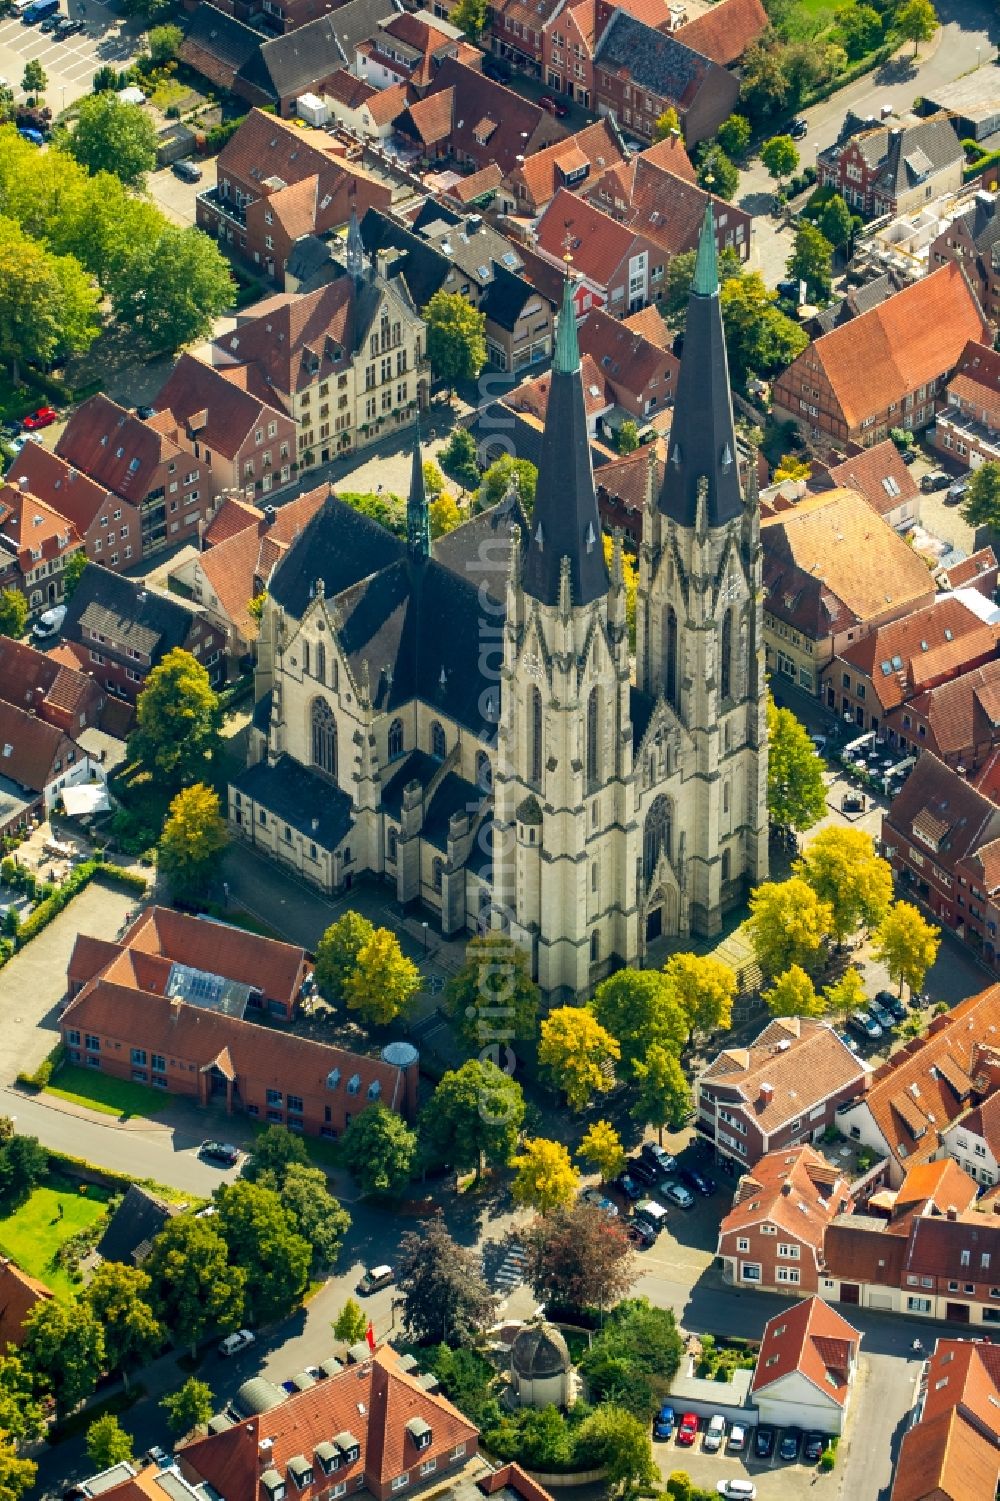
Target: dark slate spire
(566, 522)
(355, 248)
(418, 521)
(702, 436)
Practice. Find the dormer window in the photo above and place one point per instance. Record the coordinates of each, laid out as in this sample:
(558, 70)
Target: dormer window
(420, 1432)
(274, 1484)
(301, 1471)
(348, 1446)
(327, 1457)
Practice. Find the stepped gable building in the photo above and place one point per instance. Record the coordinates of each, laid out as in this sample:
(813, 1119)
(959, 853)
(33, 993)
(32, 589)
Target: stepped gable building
(463, 723)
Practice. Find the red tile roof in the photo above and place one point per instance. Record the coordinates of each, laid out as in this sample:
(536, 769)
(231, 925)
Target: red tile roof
(945, 1458)
(272, 340)
(597, 148)
(803, 1061)
(976, 383)
(73, 494)
(32, 752)
(32, 530)
(627, 359)
(212, 409)
(796, 1189)
(105, 441)
(31, 680)
(979, 571)
(725, 31)
(662, 203)
(958, 712)
(599, 245)
(920, 650)
(274, 967)
(232, 517)
(19, 1294)
(879, 474)
(812, 1339)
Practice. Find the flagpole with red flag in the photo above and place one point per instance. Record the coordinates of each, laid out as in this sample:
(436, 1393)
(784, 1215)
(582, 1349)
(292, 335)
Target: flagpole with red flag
(370, 1337)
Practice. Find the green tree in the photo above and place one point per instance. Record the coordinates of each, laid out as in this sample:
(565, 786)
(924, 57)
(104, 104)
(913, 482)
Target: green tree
(118, 1297)
(23, 1163)
(492, 1000)
(350, 1324)
(733, 135)
(193, 837)
(499, 477)
(811, 261)
(578, 1054)
(47, 304)
(703, 988)
(460, 458)
(544, 1176)
(22, 1415)
(72, 573)
(190, 1406)
(627, 438)
(445, 516)
(163, 43)
(194, 1290)
(790, 467)
(916, 22)
(384, 982)
(150, 10)
(111, 136)
(433, 479)
(906, 944)
(261, 1240)
(835, 221)
(616, 1439)
(860, 29)
(274, 1152)
(474, 1116)
(470, 16)
(664, 1095)
(13, 613)
(717, 174)
(981, 506)
(380, 1149)
(17, 1475)
(177, 721)
(796, 792)
(34, 81)
(107, 1442)
(579, 1257)
(337, 954)
(667, 124)
(63, 1348)
(780, 157)
(765, 86)
(315, 1214)
(787, 925)
(171, 289)
(759, 337)
(456, 338)
(793, 994)
(846, 994)
(441, 1282)
(601, 1146)
(841, 866)
(639, 1009)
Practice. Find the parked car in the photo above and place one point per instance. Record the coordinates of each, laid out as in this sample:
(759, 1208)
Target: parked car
(789, 290)
(234, 1343)
(813, 1446)
(737, 1489)
(688, 1431)
(789, 1446)
(663, 1423)
(50, 23)
(497, 68)
(851, 1043)
(701, 1183)
(799, 128)
(642, 1171)
(896, 1008)
(187, 171)
(715, 1433)
(763, 1442)
(42, 417)
(936, 479)
(29, 133)
(864, 1025)
(217, 1151)
(882, 1016)
(660, 1159)
(679, 1195)
(653, 1215)
(67, 27)
(374, 1278)
(629, 1187)
(640, 1234)
(160, 1457)
(600, 1201)
(737, 1440)
(956, 492)
(553, 106)
(852, 802)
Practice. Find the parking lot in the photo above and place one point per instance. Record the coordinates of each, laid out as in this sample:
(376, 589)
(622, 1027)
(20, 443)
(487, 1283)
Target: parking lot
(69, 65)
(776, 1479)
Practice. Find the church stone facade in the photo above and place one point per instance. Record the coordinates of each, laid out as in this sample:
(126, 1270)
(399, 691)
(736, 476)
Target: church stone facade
(465, 721)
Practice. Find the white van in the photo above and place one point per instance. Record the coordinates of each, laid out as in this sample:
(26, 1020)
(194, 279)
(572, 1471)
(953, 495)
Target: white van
(49, 624)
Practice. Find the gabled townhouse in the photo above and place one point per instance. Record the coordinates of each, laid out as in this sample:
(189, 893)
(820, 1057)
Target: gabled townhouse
(36, 542)
(69, 700)
(157, 478)
(37, 760)
(923, 1087)
(856, 300)
(970, 237)
(935, 823)
(243, 441)
(19, 1294)
(279, 17)
(129, 1233)
(885, 368)
(872, 679)
(613, 264)
(724, 31)
(642, 374)
(893, 168)
(958, 721)
(967, 424)
(880, 476)
(833, 571)
(951, 1452)
(94, 511)
(639, 73)
(622, 485)
(476, 120)
(409, 48)
(229, 574)
(668, 209)
(806, 1368)
(569, 37)
(574, 163)
(276, 183)
(217, 45)
(973, 1138)
(532, 396)
(119, 630)
(978, 571)
(773, 1235)
(782, 1090)
(286, 67)
(517, 31)
(346, 362)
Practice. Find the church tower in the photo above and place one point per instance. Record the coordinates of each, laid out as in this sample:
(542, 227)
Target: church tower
(701, 784)
(564, 851)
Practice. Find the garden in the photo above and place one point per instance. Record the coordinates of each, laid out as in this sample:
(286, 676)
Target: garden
(46, 1233)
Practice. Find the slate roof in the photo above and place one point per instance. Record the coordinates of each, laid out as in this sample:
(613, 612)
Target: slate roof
(803, 1060)
(341, 546)
(479, 549)
(910, 153)
(857, 300)
(139, 1217)
(423, 268)
(725, 31)
(416, 766)
(307, 802)
(289, 64)
(129, 613)
(655, 60)
(812, 1339)
(453, 795)
(221, 36)
(506, 297)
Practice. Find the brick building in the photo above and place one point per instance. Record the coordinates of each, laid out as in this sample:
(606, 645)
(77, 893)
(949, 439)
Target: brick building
(967, 424)
(656, 198)
(574, 163)
(953, 1448)
(969, 238)
(616, 266)
(640, 72)
(892, 169)
(773, 1235)
(36, 543)
(37, 760)
(94, 511)
(642, 374)
(69, 700)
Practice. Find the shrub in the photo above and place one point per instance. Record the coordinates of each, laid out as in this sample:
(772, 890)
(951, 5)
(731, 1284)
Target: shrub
(43, 1073)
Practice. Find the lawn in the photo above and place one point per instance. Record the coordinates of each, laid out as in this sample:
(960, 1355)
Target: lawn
(102, 1092)
(807, 18)
(33, 1233)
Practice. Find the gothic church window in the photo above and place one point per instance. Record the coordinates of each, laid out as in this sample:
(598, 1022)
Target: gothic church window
(726, 866)
(392, 845)
(305, 658)
(395, 739)
(439, 745)
(726, 664)
(535, 736)
(484, 772)
(657, 836)
(593, 731)
(438, 872)
(321, 661)
(324, 737)
(595, 947)
(671, 662)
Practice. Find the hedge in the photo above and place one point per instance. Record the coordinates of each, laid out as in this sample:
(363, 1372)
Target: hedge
(43, 1073)
(109, 1177)
(849, 74)
(75, 882)
(980, 164)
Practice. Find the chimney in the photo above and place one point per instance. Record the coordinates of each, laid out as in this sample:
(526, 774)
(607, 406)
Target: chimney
(23, 481)
(952, 1212)
(766, 1093)
(175, 1009)
(786, 1189)
(269, 515)
(473, 224)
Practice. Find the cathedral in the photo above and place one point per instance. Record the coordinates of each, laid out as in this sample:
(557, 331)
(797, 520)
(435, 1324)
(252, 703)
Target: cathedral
(464, 719)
